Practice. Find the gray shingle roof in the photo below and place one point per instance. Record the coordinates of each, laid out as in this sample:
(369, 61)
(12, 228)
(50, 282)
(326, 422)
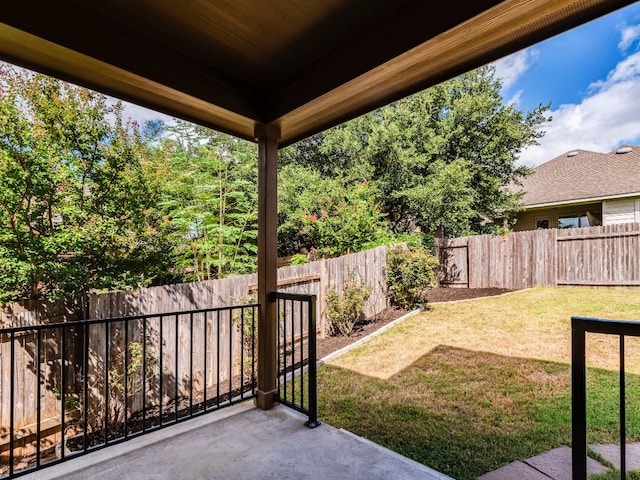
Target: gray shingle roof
(583, 176)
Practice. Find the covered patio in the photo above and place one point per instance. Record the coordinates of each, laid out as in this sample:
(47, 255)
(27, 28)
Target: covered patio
(274, 74)
(243, 443)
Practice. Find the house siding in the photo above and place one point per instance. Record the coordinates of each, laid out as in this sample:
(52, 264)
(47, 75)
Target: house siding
(619, 211)
(527, 220)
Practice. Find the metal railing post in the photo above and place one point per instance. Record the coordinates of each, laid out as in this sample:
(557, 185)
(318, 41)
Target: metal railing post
(578, 402)
(12, 393)
(313, 367)
(296, 371)
(623, 414)
(140, 402)
(579, 327)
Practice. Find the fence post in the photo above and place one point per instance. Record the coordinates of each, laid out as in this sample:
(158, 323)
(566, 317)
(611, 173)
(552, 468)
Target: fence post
(555, 259)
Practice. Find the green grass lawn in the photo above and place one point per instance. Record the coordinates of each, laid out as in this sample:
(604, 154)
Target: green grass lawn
(615, 475)
(466, 388)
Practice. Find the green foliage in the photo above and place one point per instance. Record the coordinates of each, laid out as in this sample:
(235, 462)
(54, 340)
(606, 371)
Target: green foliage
(344, 310)
(440, 159)
(615, 475)
(75, 204)
(299, 259)
(208, 198)
(411, 271)
(131, 382)
(247, 324)
(298, 188)
(87, 201)
(445, 199)
(327, 216)
(348, 225)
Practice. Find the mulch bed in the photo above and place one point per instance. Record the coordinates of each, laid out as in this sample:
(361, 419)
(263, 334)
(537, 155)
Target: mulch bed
(328, 345)
(454, 294)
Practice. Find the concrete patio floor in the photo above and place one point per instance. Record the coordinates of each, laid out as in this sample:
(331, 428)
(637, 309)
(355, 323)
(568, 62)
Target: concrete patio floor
(242, 443)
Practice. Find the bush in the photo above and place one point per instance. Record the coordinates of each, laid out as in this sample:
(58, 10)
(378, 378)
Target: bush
(342, 222)
(299, 259)
(344, 311)
(411, 272)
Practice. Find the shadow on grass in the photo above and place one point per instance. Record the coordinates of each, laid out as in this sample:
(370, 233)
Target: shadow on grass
(465, 413)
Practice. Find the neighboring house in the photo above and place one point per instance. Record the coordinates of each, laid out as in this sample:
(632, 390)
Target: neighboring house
(581, 189)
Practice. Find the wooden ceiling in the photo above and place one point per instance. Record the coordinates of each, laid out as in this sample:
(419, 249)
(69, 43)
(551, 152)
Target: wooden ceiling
(300, 65)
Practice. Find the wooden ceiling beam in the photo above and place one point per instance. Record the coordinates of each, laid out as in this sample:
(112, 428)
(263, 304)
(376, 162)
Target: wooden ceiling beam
(28, 51)
(90, 35)
(310, 79)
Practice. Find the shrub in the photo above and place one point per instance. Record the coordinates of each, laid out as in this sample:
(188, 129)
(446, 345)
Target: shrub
(299, 259)
(247, 324)
(346, 221)
(125, 380)
(344, 310)
(411, 271)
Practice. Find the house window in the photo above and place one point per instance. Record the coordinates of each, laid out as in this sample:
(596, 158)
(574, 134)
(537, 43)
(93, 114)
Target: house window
(573, 221)
(542, 223)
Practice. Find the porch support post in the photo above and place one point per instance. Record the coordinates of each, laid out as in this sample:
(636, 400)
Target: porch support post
(267, 137)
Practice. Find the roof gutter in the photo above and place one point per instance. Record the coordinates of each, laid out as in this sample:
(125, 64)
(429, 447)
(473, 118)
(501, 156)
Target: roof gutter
(579, 201)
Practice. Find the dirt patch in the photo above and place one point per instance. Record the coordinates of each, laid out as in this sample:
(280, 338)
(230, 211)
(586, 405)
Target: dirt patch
(328, 345)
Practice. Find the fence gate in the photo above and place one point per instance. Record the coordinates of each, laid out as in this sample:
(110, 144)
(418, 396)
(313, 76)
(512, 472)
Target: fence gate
(453, 255)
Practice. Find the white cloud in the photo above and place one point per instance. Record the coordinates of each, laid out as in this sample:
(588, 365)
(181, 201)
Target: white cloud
(515, 98)
(132, 111)
(604, 120)
(629, 35)
(512, 67)
(627, 69)
(141, 114)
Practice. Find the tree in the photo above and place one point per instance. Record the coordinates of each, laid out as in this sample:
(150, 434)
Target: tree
(75, 208)
(439, 159)
(330, 216)
(209, 201)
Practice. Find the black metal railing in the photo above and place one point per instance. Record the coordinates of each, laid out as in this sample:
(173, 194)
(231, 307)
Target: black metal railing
(297, 363)
(579, 327)
(71, 388)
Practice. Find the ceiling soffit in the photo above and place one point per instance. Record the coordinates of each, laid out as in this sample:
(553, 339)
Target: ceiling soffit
(302, 66)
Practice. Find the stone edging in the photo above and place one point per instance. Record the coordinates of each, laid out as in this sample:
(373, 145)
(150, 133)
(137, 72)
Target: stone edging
(363, 340)
(389, 325)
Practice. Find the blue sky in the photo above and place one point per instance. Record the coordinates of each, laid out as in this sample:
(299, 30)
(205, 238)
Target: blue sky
(591, 76)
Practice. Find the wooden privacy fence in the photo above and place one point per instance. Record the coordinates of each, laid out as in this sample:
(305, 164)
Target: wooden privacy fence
(606, 256)
(35, 312)
(313, 278)
(105, 379)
